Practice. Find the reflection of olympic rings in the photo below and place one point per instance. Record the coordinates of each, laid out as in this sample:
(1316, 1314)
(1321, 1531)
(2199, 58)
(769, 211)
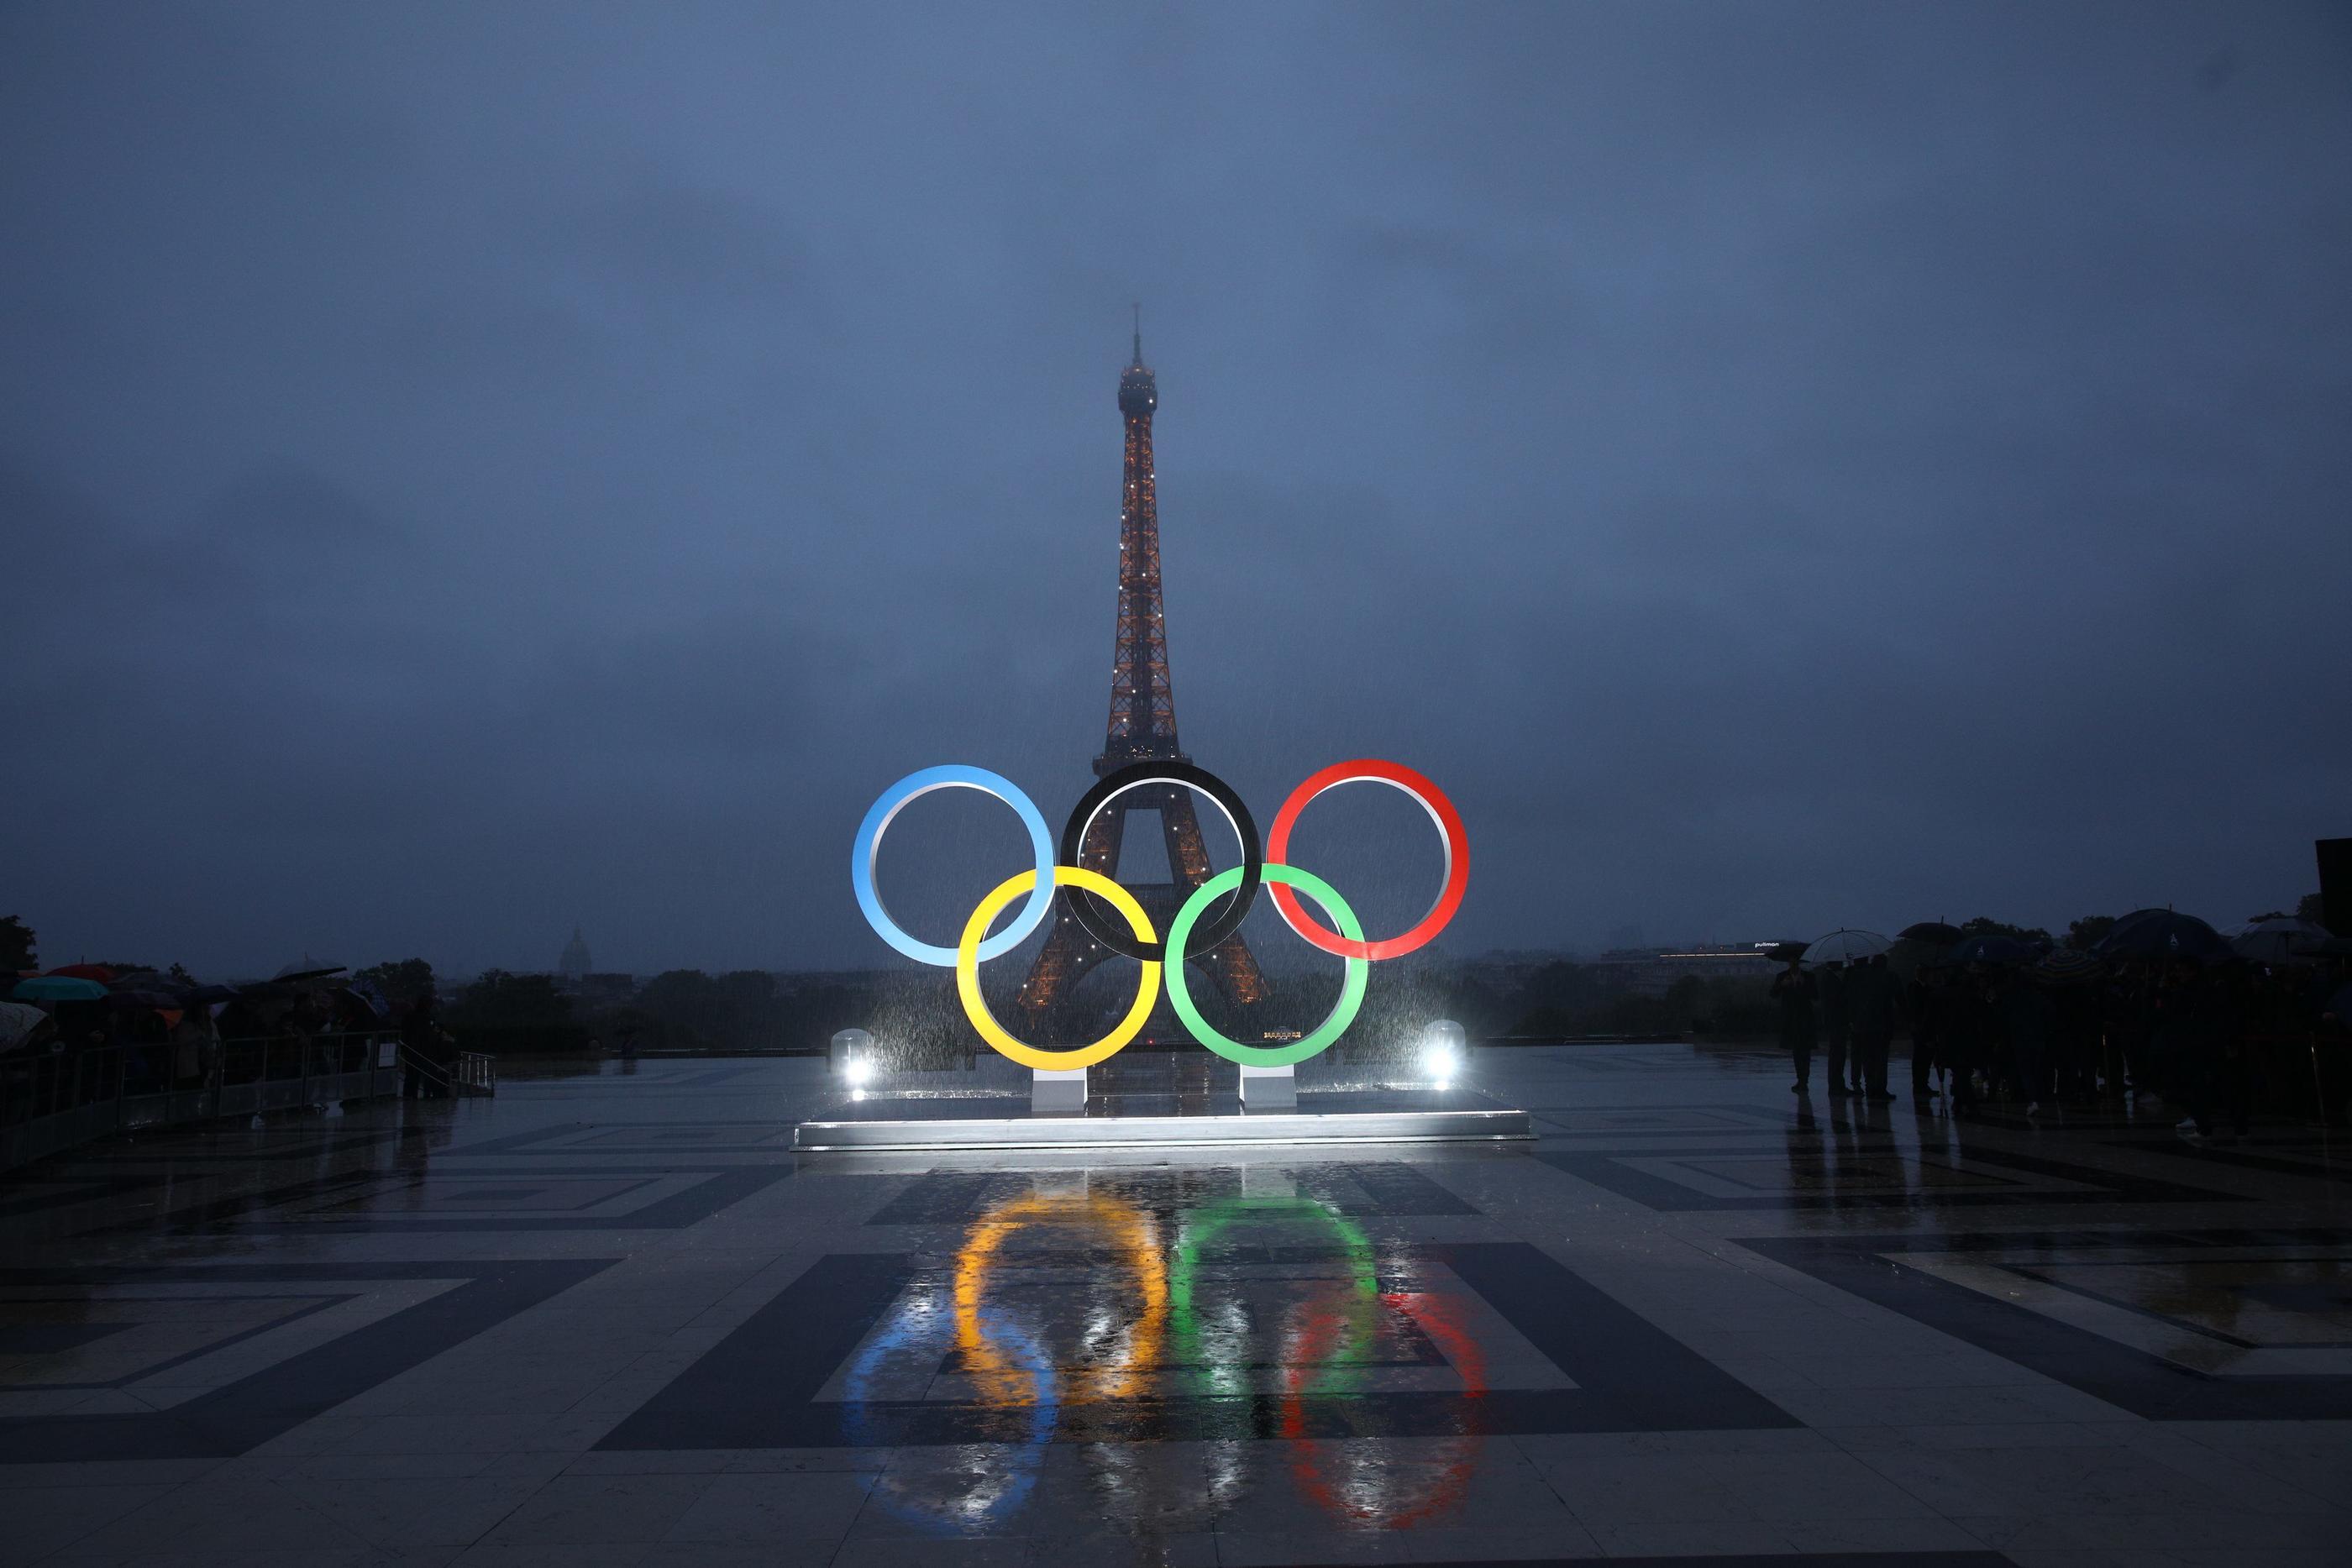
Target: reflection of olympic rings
(1222, 1368)
(1375, 1497)
(1130, 1234)
(1190, 934)
(994, 1494)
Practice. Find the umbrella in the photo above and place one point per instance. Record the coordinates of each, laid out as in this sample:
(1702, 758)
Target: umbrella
(2162, 934)
(2126, 922)
(308, 968)
(1843, 946)
(2068, 966)
(146, 980)
(1935, 933)
(98, 972)
(57, 988)
(1990, 950)
(365, 997)
(2282, 941)
(17, 1021)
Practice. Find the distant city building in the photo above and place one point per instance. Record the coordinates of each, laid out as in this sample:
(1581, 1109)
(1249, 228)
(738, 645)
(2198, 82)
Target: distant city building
(575, 965)
(1652, 972)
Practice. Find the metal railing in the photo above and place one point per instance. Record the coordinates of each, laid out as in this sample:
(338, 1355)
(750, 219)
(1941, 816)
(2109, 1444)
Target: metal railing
(55, 1101)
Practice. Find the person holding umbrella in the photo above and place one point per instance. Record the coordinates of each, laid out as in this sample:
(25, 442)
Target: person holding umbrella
(1835, 1026)
(1928, 998)
(1795, 991)
(1870, 1006)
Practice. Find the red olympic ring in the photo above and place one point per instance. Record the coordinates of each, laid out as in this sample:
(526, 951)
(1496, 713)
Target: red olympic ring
(1440, 812)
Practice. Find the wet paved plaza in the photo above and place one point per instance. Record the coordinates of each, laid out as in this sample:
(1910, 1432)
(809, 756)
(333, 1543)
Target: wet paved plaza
(614, 1320)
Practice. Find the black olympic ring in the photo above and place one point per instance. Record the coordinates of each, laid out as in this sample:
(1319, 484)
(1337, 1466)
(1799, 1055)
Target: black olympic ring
(1113, 933)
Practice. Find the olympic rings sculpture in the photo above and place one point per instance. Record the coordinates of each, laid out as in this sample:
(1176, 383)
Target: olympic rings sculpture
(1126, 928)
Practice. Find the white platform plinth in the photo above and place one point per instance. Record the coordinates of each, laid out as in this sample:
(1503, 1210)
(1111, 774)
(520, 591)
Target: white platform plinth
(1058, 1093)
(1269, 1088)
(1064, 1130)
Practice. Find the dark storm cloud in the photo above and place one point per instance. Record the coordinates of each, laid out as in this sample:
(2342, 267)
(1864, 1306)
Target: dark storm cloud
(473, 470)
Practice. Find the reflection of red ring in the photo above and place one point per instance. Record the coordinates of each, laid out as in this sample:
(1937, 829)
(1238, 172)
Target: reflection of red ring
(1435, 1318)
(1449, 830)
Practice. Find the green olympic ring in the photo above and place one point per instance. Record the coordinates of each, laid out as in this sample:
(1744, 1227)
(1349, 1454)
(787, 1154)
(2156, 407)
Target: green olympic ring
(1351, 988)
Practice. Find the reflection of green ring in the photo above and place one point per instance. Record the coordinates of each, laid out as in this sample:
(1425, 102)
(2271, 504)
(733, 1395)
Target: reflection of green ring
(1184, 1323)
(1352, 989)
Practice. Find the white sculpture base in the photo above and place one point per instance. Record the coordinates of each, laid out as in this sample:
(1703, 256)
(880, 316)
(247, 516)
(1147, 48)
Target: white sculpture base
(1058, 1093)
(1268, 1088)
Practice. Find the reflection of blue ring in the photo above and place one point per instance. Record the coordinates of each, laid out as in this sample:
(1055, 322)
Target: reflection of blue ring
(868, 844)
(1044, 1414)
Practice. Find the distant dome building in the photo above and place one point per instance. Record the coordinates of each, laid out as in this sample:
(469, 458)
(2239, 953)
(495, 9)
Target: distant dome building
(574, 964)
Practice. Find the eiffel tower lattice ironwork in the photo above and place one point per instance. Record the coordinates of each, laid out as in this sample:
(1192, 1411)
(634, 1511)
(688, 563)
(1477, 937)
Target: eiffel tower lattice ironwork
(1142, 729)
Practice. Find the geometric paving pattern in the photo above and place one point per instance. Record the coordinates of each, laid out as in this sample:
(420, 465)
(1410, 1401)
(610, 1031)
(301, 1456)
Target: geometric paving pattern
(614, 1318)
(1879, 1176)
(188, 1363)
(2170, 1325)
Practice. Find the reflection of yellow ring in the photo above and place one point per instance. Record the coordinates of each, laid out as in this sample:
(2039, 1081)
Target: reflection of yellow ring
(1147, 990)
(1130, 1233)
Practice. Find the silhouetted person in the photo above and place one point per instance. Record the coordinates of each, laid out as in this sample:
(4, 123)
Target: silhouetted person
(1870, 1009)
(1834, 1026)
(1966, 1026)
(1925, 1001)
(417, 1033)
(1795, 991)
(2029, 1019)
(2074, 1044)
(2187, 1043)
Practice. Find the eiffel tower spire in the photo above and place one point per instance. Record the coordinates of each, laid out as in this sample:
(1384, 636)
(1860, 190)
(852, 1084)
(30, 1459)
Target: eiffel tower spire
(1142, 728)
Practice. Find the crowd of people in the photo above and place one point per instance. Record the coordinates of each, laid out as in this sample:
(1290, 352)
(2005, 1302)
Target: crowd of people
(91, 1031)
(2209, 1037)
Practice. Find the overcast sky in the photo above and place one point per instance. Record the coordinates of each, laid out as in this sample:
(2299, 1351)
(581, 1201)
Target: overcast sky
(469, 470)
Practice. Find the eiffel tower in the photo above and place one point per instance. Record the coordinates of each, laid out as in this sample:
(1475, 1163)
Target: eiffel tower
(1142, 729)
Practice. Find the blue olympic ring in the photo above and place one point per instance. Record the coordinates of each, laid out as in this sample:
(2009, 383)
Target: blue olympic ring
(868, 844)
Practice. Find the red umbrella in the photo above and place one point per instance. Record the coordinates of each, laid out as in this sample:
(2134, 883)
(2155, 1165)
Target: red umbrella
(97, 972)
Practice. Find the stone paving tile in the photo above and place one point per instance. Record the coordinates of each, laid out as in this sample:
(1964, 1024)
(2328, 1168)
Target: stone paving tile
(588, 1510)
(37, 1520)
(1696, 1537)
(243, 1516)
(105, 1473)
(450, 1511)
(1282, 1549)
(745, 1509)
(1480, 1543)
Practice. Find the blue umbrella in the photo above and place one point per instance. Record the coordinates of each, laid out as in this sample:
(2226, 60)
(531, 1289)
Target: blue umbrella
(57, 988)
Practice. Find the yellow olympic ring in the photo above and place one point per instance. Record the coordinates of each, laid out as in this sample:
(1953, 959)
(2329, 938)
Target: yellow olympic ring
(1147, 990)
